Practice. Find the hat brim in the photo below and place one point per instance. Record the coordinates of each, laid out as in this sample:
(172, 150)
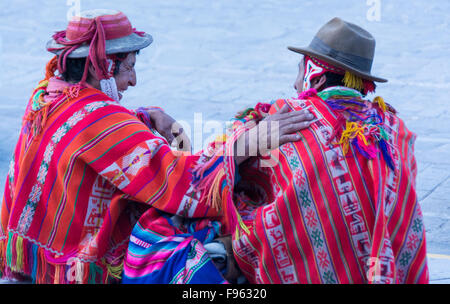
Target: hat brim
(131, 43)
(310, 52)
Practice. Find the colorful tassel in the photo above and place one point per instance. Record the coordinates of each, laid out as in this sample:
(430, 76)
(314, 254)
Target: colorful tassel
(51, 68)
(352, 130)
(9, 249)
(380, 102)
(57, 277)
(115, 271)
(19, 254)
(352, 81)
(363, 128)
(386, 154)
(215, 193)
(26, 258)
(34, 259)
(72, 91)
(369, 86)
(96, 271)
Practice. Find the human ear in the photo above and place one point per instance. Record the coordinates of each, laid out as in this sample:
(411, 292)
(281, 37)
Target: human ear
(91, 72)
(92, 78)
(319, 82)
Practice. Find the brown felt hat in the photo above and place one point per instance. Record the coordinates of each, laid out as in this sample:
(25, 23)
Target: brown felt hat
(345, 45)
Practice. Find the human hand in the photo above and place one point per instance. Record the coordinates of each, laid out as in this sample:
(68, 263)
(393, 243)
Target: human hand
(281, 127)
(171, 130)
(271, 132)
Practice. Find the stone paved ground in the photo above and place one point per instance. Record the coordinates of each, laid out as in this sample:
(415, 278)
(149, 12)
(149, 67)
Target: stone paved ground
(213, 57)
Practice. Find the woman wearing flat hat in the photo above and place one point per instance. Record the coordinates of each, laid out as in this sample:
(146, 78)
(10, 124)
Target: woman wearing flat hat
(85, 168)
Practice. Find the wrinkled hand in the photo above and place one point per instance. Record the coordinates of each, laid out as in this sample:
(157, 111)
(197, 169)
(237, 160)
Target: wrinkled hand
(170, 129)
(282, 127)
(271, 132)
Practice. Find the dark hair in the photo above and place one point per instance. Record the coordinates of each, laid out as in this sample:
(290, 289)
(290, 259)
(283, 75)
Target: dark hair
(334, 79)
(75, 67)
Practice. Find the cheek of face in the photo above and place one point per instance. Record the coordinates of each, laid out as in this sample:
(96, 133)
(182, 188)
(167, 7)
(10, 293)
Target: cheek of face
(127, 73)
(300, 77)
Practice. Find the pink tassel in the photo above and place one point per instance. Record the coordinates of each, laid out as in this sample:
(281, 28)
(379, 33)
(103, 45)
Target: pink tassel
(308, 93)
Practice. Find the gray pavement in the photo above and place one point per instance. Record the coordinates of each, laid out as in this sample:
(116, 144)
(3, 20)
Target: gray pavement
(215, 57)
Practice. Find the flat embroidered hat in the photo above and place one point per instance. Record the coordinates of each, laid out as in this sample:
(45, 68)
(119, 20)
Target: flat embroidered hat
(113, 26)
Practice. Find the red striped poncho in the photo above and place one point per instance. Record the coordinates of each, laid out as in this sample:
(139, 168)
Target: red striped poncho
(325, 216)
(75, 190)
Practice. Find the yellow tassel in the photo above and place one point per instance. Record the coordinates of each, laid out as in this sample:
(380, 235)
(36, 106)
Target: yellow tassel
(42, 84)
(345, 147)
(352, 81)
(242, 224)
(380, 101)
(114, 271)
(19, 254)
(352, 130)
(236, 234)
(221, 138)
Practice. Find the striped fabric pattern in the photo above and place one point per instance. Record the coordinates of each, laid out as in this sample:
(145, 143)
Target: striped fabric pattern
(330, 217)
(165, 250)
(159, 252)
(75, 191)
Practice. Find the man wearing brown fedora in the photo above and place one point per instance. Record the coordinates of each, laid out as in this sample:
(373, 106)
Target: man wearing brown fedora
(340, 205)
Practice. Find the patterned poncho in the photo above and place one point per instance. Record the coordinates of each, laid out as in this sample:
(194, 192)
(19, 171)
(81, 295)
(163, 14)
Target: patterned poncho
(169, 248)
(339, 206)
(80, 177)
